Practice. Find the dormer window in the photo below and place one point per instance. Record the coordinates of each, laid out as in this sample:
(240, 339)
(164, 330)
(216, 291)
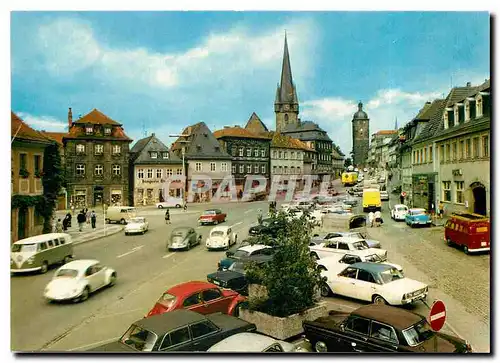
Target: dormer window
(456, 116)
(467, 111)
(165, 155)
(479, 106)
(89, 130)
(154, 155)
(107, 130)
(446, 121)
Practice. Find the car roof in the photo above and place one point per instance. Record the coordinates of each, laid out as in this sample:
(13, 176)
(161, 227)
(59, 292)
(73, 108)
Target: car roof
(247, 342)
(163, 323)
(396, 317)
(252, 248)
(220, 228)
(41, 238)
(181, 229)
(80, 264)
(346, 239)
(417, 209)
(372, 266)
(400, 205)
(187, 288)
(212, 210)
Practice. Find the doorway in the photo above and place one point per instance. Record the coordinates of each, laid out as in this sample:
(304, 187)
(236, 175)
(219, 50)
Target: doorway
(21, 223)
(98, 195)
(479, 194)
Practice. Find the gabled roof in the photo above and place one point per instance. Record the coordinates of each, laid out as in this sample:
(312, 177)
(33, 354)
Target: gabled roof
(140, 144)
(238, 131)
(96, 117)
(255, 124)
(22, 132)
(306, 131)
(283, 141)
(56, 136)
(141, 152)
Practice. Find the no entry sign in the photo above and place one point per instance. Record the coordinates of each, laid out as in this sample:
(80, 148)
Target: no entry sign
(437, 315)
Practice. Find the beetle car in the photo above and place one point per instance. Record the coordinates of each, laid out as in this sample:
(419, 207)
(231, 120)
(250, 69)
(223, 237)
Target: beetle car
(398, 212)
(268, 227)
(212, 216)
(183, 238)
(325, 236)
(417, 216)
(202, 297)
(170, 203)
(243, 252)
(252, 342)
(136, 225)
(362, 256)
(221, 237)
(177, 331)
(379, 328)
(76, 280)
(379, 283)
(343, 245)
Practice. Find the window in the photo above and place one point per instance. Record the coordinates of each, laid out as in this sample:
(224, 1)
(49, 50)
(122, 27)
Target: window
(475, 147)
(414, 157)
(80, 148)
(209, 295)
(273, 349)
(223, 167)
(98, 170)
(212, 166)
(441, 153)
(467, 111)
(431, 156)
(343, 246)
(467, 148)
(169, 172)
(89, 130)
(38, 162)
(358, 325)
(285, 155)
(117, 149)
(202, 328)
(249, 169)
(116, 170)
(384, 332)
(446, 121)
(242, 169)
(286, 169)
(479, 107)
(154, 155)
(263, 169)
(280, 154)
(256, 169)
(298, 170)
(365, 276)
(425, 155)
(192, 300)
(150, 174)
(249, 151)
(240, 153)
(43, 246)
(349, 273)
(197, 166)
(165, 155)
(454, 151)
(256, 152)
(159, 173)
(179, 171)
(176, 337)
(263, 153)
(292, 155)
(107, 131)
(447, 191)
(140, 174)
(486, 150)
(448, 154)
(461, 150)
(274, 154)
(459, 190)
(233, 169)
(233, 150)
(99, 149)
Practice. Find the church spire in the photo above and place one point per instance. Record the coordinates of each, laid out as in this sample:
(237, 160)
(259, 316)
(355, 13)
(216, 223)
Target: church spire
(287, 90)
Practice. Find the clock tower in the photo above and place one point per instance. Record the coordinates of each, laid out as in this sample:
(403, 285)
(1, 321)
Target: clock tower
(360, 137)
(286, 104)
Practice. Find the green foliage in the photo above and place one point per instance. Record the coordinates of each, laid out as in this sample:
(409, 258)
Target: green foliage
(52, 180)
(347, 162)
(292, 277)
(23, 173)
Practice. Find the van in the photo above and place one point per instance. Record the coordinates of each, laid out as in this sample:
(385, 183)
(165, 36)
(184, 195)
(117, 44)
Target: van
(371, 200)
(38, 253)
(349, 178)
(120, 214)
(469, 231)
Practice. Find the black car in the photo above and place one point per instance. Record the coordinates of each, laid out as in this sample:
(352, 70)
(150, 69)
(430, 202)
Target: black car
(177, 331)
(379, 328)
(268, 227)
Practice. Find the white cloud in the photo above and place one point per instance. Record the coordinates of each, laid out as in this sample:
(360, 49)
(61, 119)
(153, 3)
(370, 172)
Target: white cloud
(47, 123)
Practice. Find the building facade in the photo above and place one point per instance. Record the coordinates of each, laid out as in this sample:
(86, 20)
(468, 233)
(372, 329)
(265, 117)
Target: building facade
(152, 164)
(62, 199)
(360, 137)
(27, 152)
(96, 161)
(338, 159)
(287, 156)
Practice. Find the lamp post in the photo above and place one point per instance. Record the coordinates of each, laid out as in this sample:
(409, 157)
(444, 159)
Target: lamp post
(184, 176)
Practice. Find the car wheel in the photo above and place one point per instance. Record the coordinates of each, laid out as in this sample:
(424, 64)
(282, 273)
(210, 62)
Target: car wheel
(325, 290)
(44, 268)
(236, 310)
(466, 250)
(66, 260)
(160, 207)
(122, 221)
(85, 294)
(216, 222)
(449, 242)
(320, 347)
(379, 300)
(177, 206)
(112, 279)
(315, 256)
(106, 220)
(126, 233)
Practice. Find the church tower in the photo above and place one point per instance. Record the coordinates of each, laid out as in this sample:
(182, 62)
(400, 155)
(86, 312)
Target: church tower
(286, 104)
(360, 137)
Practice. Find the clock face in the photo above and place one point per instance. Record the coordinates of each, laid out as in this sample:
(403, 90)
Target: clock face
(287, 107)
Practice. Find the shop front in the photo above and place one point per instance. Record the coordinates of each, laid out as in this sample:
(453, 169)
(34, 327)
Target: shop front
(424, 191)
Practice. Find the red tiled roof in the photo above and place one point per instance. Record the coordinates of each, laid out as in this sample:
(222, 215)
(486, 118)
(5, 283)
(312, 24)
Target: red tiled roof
(238, 132)
(56, 136)
(21, 130)
(96, 117)
(386, 132)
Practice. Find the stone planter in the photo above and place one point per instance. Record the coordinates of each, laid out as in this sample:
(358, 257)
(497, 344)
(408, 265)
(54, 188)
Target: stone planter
(282, 328)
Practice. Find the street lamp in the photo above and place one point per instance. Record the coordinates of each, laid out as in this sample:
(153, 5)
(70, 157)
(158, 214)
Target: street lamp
(184, 176)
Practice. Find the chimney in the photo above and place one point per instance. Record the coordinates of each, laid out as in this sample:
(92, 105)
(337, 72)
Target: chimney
(468, 84)
(70, 119)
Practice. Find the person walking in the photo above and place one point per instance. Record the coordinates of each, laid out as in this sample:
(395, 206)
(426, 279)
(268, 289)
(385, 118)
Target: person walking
(185, 207)
(93, 219)
(167, 217)
(441, 209)
(59, 226)
(402, 198)
(378, 218)
(259, 216)
(87, 215)
(81, 220)
(371, 218)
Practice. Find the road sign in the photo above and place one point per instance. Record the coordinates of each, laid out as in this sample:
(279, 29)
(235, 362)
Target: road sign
(403, 194)
(437, 315)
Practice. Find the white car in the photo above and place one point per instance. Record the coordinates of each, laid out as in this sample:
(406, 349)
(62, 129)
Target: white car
(399, 212)
(136, 225)
(76, 280)
(343, 246)
(252, 342)
(170, 203)
(384, 195)
(376, 282)
(221, 237)
(328, 263)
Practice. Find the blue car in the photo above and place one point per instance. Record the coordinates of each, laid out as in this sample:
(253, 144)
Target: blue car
(417, 217)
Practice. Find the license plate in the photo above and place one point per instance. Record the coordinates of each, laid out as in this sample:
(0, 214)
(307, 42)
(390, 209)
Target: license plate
(484, 244)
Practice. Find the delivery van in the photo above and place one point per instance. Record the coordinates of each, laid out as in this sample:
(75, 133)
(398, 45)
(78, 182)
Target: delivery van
(371, 200)
(120, 214)
(469, 231)
(349, 179)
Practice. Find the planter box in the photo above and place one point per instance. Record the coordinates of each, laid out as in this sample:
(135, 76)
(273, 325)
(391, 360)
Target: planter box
(282, 328)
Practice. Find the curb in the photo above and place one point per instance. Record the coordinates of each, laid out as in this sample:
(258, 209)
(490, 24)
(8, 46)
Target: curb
(98, 236)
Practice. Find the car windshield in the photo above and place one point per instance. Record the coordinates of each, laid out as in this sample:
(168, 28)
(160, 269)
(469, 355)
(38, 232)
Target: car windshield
(418, 333)
(389, 275)
(31, 247)
(179, 233)
(67, 272)
(240, 254)
(167, 300)
(209, 212)
(373, 258)
(217, 234)
(136, 220)
(237, 267)
(139, 339)
(401, 209)
(360, 245)
(418, 212)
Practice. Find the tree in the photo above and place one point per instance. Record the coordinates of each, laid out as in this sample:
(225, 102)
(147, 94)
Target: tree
(292, 278)
(347, 162)
(52, 180)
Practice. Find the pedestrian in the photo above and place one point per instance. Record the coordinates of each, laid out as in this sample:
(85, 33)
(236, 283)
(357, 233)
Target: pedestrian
(87, 215)
(65, 224)
(441, 209)
(80, 218)
(185, 205)
(93, 219)
(371, 218)
(259, 216)
(402, 198)
(378, 218)
(68, 217)
(167, 217)
(59, 226)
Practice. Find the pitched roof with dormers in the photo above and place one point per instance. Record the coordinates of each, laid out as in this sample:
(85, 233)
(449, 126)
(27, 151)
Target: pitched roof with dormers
(96, 117)
(20, 131)
(255, 124)
(287, 142)
(240, 132)
(141, 152)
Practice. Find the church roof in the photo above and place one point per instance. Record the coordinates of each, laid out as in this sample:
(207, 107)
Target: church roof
(306, 131)
(286, 92)
(360, 114)
(255, 124)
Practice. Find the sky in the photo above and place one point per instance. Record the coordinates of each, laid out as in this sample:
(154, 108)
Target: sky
(161, 71)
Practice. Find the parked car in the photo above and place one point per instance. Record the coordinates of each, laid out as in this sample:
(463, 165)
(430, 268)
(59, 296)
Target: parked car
(38, 253)
(379, 328)
(269, 227)
(384, 195)
(352, 202)
(244, 252)
(252, 342)
(325, 236)
(212, 216)
(417, 216)
(221, 237)
(469, 231)
(379, 283)
(76, 280)
(136, 225)
(202, 297)
(183, 238)
(398, 212)
(170, 203)
(120, 214)
(342, 246)
(328, 263)
(177, 331)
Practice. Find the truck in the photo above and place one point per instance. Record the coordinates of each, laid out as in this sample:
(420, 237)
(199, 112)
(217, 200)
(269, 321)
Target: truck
(349, 178)
(371, 200)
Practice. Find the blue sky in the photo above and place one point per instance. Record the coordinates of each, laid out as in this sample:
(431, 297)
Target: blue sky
(166, 70)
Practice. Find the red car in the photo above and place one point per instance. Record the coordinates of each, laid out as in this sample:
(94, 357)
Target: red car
(214, 216)
(202, 297)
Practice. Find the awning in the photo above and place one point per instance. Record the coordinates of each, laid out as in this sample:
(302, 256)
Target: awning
(176, 185)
